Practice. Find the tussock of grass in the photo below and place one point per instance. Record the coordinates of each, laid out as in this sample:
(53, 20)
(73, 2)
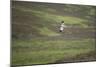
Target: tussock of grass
(47, 32)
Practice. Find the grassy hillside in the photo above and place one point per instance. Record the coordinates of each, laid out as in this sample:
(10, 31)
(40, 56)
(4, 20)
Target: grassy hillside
(36, 38)
(39, 19)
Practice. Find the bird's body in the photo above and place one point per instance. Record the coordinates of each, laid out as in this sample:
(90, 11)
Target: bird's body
(62, 27)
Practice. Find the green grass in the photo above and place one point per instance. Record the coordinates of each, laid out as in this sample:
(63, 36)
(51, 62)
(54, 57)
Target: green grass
(47, 32)
(57, 18)
(34, 25)
(33, 20)
(47, 16)
(42, 51)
